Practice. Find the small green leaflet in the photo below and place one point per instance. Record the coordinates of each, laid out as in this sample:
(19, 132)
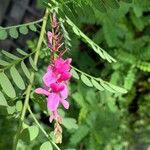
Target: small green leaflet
(33, 132)
(74, 74)
(3, 101)
(86, 80)
(32, 63)
(4, 63)
(25, 70)
(46, 146)
(17, 78)
(23, 30)
(13, 33)
(69, 123)
(9, 55)
(118, 89)
(3, 34)
(7, 86)
(19, 105)
(21, 52)
(32, 27)
(97, 85)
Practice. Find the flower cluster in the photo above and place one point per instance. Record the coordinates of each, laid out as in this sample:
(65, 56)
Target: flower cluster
(56, 86)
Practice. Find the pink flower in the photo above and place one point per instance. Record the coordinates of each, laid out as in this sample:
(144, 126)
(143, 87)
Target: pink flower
(56, 90)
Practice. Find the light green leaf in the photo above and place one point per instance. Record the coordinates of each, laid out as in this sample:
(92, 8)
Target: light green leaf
(11, 110)
(3, 101)
(19, 105)
(4, 63)
(97, 85)
(46, 146)
(23, 30)
(32, 63)
(69, 123)
(21, 52)
(25, 70)
(74, 74)
(13, 33)
(7, 86)
(105, 86)
(86, 80)
(10, 55)
(33, 132)
(17, 78)
(32, 27)
(3, 34)
(118, 89)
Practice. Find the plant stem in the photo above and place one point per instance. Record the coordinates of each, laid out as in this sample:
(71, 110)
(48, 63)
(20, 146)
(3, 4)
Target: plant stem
(41, 128)
(29, 88)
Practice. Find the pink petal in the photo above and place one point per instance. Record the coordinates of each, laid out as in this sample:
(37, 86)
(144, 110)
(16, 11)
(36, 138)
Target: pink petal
(64, 92)
(49, 78)
(41, 91)
(57, 87)
(53, 101)
(65, 103)
(65, 76)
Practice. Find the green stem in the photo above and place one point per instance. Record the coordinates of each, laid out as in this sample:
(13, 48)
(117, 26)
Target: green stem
(29, 88)
(25, 24)
(41, 128)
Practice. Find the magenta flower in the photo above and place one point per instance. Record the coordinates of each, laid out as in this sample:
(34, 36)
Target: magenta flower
(56, 86)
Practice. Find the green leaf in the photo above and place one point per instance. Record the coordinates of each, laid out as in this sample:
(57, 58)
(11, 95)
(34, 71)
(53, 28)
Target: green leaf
(23, 30)
(3, 34)
(32, 27)
(17, 78)
(7, 86)
(69, 123)
(86, 80)
(21, 52)
(19, 105)
(97, 85)
(11, 110)
(32, 63)
(33, 132)
(105, 86)
(13, 33)
(113, 4)
(46, 146)
(4, 63)
(10, 55)
(3, 101)
(118, 89)
(25, 70)
(74, 74)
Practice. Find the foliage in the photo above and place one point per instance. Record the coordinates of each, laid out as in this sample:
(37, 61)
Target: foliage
(109, 44)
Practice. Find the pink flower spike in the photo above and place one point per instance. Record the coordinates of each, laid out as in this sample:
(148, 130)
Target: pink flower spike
(53, 101)
(65, 76)
(50, 39)
(41, 91)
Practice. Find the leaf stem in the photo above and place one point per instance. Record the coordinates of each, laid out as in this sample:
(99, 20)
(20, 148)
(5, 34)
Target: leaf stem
(29, 88)
(41, 128)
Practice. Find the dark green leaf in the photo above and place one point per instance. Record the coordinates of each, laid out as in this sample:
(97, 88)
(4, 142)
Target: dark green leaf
(13, 33)
(17, 78)
(32, 27)
(23, 30)
(3, 34)
(7, 86)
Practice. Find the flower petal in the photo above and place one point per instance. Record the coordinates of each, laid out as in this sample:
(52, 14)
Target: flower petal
(64, 92)
(65, 103)
(57, 87)
(49, 77)
(53, 101)
(41, 91)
